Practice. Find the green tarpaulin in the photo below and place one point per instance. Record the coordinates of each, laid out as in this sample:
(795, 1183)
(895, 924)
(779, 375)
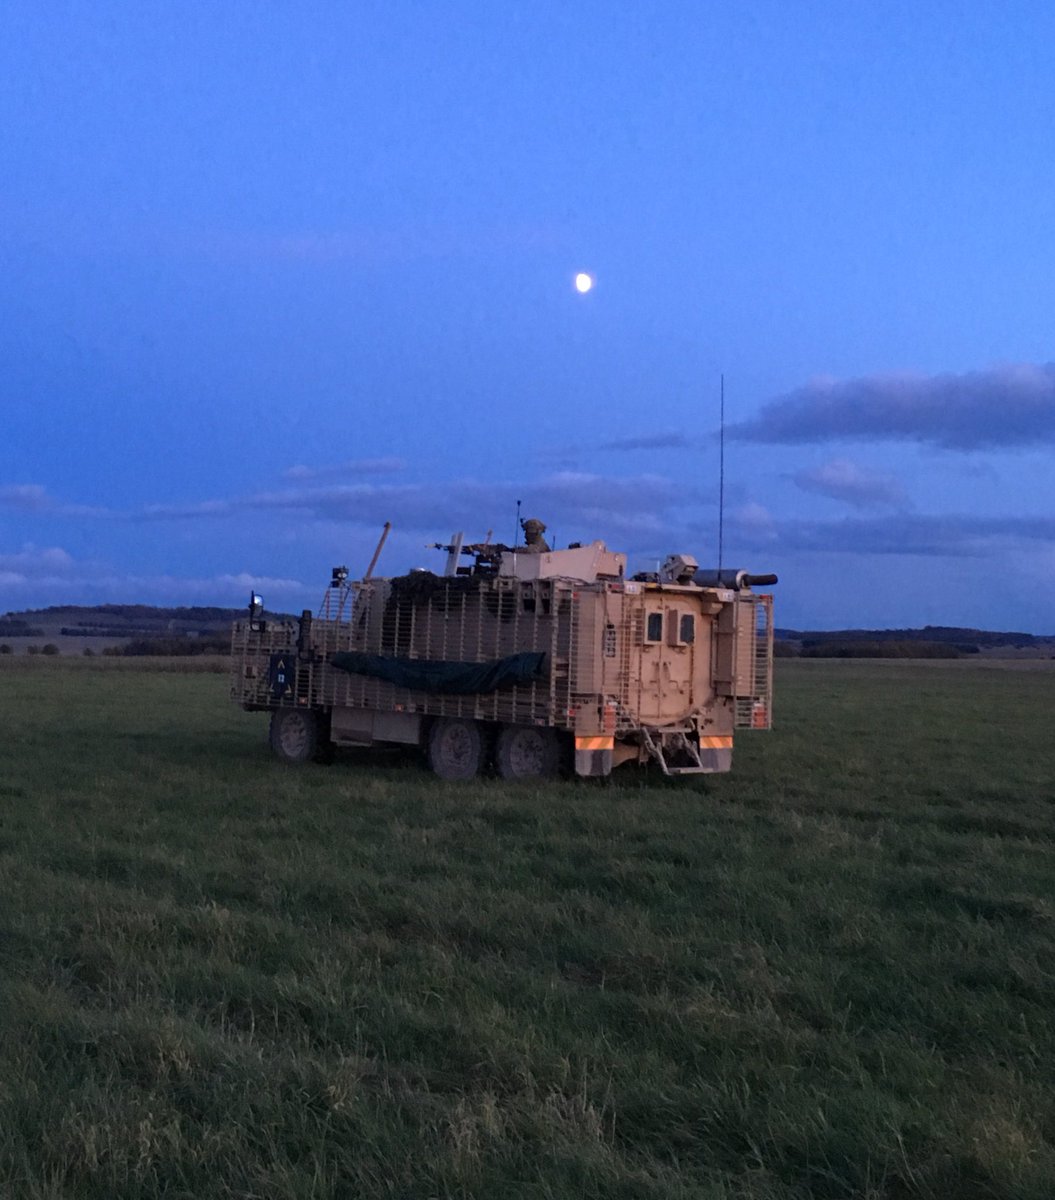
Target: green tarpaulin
(444, 678)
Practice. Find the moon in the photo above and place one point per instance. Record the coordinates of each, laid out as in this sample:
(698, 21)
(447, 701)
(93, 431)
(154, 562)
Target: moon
(583, 282)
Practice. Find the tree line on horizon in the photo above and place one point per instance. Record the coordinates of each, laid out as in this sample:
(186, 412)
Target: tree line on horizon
(877, 648)
(951, 634)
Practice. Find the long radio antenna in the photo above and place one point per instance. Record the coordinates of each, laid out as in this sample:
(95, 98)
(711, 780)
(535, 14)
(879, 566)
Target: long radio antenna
(516, 529)
(721, 472)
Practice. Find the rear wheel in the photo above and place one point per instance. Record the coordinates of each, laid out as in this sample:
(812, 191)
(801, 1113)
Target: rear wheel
(526, 752)
(294, 735)
(456, 748)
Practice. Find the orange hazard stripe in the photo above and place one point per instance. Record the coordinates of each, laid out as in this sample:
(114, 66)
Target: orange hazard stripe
(717, 743)
(594, 743)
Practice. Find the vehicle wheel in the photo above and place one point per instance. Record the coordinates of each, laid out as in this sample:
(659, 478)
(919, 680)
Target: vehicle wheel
(294, 734)
(456, 748)
(525, 752)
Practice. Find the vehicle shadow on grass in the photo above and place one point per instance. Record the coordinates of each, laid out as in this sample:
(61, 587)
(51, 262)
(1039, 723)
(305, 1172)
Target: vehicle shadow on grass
(412, 760)
(635, 777)
(251, 753)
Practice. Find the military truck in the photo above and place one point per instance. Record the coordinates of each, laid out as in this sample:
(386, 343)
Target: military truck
(526, 661)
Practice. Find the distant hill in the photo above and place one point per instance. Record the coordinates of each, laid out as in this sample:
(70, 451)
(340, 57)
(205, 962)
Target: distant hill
(124, 620)
(76, 629)
(17, 627)
(932, 641)
(953, 634)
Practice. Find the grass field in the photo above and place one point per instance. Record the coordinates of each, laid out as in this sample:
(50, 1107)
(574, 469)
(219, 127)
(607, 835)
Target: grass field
(829, 974)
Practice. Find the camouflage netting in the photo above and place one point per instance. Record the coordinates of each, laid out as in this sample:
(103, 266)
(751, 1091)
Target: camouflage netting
(444, 593)
(423, 587)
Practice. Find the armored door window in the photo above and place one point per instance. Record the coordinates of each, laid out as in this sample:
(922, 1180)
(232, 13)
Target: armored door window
(681, 628)
(654, 627)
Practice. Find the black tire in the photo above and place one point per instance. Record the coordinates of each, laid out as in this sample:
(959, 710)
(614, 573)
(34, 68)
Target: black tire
(527, 752)
(294, 735)
(456, 748)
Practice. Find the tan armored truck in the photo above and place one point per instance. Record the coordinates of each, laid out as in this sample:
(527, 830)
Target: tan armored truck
(528, 661)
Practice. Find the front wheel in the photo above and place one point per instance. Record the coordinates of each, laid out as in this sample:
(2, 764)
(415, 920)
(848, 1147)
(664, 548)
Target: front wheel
(526, 752)
(456, 748)
(294, 735)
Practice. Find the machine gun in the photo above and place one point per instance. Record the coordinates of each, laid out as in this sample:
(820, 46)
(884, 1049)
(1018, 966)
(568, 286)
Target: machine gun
(486, 553)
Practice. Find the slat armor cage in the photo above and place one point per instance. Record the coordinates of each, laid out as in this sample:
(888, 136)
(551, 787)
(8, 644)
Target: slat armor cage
(636, 667)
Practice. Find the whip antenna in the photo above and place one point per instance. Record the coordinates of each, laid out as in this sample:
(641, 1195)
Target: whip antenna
(721, 470)
(516, 529)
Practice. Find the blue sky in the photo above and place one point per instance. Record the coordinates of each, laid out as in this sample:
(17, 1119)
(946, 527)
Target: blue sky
(271, 275)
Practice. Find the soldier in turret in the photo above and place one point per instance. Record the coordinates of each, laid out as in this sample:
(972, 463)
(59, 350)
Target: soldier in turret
(535, 542)
(489, 552)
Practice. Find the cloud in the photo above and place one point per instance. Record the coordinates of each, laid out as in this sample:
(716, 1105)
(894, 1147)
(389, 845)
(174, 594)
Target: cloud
(628, 510)
(52, 575)
(1002, 406)
(202, 508)
(755, 517)
(32, 565)
(928, 536)
(25, 497)
(577, 504)
(648, 441)
(245, 579)
(568, 456)
(841, 479)
(35, 499)
(357, 466)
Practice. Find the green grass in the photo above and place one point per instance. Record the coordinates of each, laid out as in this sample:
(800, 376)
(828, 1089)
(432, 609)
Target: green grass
(829, 974)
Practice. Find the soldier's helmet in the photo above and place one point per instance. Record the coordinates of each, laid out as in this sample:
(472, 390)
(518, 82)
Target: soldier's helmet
(533, 525)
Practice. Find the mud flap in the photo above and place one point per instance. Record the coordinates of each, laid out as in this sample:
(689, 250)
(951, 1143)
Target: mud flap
(716, 760)
(593, 755)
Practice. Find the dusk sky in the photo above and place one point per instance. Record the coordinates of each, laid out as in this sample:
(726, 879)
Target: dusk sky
(271, 275)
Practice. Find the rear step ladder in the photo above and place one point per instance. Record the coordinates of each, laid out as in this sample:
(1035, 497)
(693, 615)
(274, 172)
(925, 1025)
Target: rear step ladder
(658, 748)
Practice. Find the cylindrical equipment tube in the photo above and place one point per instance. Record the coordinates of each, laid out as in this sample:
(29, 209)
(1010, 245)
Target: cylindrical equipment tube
(732, 578)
